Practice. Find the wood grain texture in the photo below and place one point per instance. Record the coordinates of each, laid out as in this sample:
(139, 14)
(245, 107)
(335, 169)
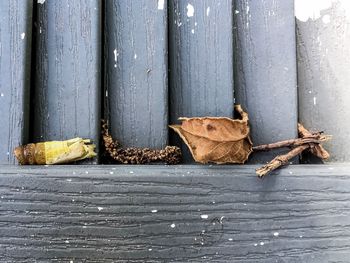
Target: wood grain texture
(200, 60)
(323, 45)
(174, 214)
(68, 64)
(136, 71)
(265, 70)
(15, 59)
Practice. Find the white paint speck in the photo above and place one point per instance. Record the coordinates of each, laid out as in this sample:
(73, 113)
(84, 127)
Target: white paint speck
(208, 10)
(301, 236)
(276, 234)
(42, 2)
(71, 260)
(230, 239)
(213, 202)
(73, 173)
(150, 249)
(192, 31)
(23, 35)
(100, 208)
(135, 56)
(67, 241)
(190, 10)
(204, 216)
(160, 4)
(131, 172)
(326, 19)
(8, 153)
(154, 211)
(87, 172)
(116, 54)
(115, 65)
(195, 24)
(315, 100)
(40, 31)
(262, 243)
(2, 94)
(255, 244)
(236, 12)
(172, 225)
(111, 172)
(69, 180)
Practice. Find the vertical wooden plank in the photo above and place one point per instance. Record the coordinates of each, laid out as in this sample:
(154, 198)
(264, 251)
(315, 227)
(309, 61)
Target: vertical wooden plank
(15, 57)
(200, 60)
(323, 38)
(68, 77)
(136, 65)
(265, 72)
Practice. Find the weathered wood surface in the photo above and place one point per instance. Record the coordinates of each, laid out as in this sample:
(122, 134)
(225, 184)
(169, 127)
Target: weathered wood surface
(265, 69)
(323, 44)
(174, 214)
(68, 70)
(136, 68)
(15, 58)
(200, 60)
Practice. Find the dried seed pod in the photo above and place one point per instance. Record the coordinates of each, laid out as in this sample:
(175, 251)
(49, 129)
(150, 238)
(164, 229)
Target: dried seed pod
(55, 152)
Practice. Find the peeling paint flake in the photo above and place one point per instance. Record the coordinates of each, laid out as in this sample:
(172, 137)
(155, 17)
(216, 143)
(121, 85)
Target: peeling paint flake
(190, 10)
(313, 9)
(160, 4)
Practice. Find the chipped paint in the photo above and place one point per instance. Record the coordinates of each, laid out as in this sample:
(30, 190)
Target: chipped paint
(100, 208)
(23, 35)
(116, 54)
(160, 4)
(172, 225)
(41, 2)
(276, 234)
(326, 19)
(204, 216)
(314, 9)
(208, 10)
(190, 10)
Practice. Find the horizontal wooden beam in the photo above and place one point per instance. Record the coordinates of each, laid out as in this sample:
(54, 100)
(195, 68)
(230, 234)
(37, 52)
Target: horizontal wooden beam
(174, 213)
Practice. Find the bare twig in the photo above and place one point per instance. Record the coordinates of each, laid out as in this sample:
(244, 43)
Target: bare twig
(308, 140)
(280, 160)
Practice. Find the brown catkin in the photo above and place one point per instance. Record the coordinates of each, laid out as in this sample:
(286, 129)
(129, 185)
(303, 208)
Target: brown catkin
(132, 155)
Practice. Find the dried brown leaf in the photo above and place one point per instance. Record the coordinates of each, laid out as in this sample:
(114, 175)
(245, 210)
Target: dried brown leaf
(216, 139)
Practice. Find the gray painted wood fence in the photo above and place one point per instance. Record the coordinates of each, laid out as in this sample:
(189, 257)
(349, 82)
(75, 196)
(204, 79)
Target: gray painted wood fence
(324, 72)
(155, 61)
(200, 60)
(265, 70)
(15, 61)
(67, 70)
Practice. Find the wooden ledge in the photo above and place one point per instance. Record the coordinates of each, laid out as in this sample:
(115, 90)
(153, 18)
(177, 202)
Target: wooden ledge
(178, 213)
